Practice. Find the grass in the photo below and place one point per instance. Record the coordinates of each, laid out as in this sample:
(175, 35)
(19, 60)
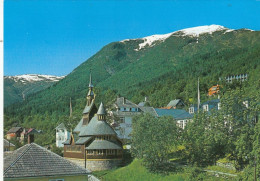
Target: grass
(221, 169)
(136, 172)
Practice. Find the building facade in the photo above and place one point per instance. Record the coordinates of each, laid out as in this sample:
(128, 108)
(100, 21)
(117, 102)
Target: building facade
(62, 135)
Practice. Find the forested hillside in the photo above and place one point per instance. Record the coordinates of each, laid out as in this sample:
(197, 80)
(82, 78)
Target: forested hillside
(17, 88)
(165, 70)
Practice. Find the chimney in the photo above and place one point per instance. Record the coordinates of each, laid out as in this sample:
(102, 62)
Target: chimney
(123, 100)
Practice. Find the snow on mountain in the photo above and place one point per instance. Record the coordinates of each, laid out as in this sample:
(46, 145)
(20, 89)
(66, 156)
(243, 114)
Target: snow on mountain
(34, 78)
(195, 31)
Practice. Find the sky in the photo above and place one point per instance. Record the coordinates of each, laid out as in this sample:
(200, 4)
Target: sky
(53, 37)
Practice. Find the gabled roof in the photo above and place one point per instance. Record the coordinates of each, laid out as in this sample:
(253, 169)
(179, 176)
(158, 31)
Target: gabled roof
(104, 144)
(175, 102)
(8, 143)
(123, 102)
(61, 126)
(79, 126)
(32, 160)
(149, 110)
(87, 108)
(175, 113)
(96, 127)
(14, 129)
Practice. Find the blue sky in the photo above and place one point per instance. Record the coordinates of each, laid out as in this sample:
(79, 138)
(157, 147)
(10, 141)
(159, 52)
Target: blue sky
(55, 36)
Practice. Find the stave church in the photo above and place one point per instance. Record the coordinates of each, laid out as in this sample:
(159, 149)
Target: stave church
(94, 144)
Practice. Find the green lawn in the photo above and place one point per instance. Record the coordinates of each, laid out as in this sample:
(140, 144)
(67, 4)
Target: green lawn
(136, 172)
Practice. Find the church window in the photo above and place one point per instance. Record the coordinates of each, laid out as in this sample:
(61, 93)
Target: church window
(110, 152)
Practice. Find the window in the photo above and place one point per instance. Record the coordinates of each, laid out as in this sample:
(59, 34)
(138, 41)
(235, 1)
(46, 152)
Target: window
(90, 152)
(130, 109)
(219, 104)
(191, 110)
(122, 119)
(100, 152)
(110, 152)
(206, 107)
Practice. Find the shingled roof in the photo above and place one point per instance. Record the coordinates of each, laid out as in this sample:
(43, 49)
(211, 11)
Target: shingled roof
(14, 129)
(96, 127)
(104, 144)
(123, 102)
(32, 160)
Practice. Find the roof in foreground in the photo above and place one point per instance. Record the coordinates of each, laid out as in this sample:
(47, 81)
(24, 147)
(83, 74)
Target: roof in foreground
(32, 160)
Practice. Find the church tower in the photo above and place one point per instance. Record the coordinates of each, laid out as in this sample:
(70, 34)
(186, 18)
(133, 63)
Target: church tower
(90, 95)
(90, 109)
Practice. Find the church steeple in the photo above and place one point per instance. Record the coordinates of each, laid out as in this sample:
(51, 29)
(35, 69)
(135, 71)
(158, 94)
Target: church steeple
(90, 95)
(101, 113)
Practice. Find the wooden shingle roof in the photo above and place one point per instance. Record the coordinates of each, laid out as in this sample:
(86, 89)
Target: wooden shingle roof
(32, 160)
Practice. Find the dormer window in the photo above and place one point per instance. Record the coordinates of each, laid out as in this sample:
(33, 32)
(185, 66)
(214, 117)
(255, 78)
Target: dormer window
(206, 107)
(191, 110)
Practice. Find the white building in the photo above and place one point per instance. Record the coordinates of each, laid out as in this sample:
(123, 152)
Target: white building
(62, 135)
(125, 111)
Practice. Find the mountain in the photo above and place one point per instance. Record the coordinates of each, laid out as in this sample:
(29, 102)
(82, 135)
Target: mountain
(162, 67)
(17, 88)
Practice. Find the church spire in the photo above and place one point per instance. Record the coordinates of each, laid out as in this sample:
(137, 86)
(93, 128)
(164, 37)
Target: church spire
(90, 85)
(90, 95)
(101, 112)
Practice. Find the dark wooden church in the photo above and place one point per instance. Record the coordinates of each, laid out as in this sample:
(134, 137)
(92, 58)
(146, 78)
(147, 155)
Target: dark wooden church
(94, 144)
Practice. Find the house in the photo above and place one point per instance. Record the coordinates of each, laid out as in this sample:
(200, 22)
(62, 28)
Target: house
(207, 106)
(181, 116)
(94, 144)
(33, 162)
(14, 132)
(123, 115)
(27, 135)
(8, 146)
(62, 135)
(214, 90)
(175, 104)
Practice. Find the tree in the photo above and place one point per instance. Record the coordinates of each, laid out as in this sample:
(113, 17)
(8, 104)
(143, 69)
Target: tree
(153, 139)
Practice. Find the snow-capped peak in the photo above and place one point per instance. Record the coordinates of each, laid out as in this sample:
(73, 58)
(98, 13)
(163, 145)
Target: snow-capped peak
(195, 31)
(34, 78)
